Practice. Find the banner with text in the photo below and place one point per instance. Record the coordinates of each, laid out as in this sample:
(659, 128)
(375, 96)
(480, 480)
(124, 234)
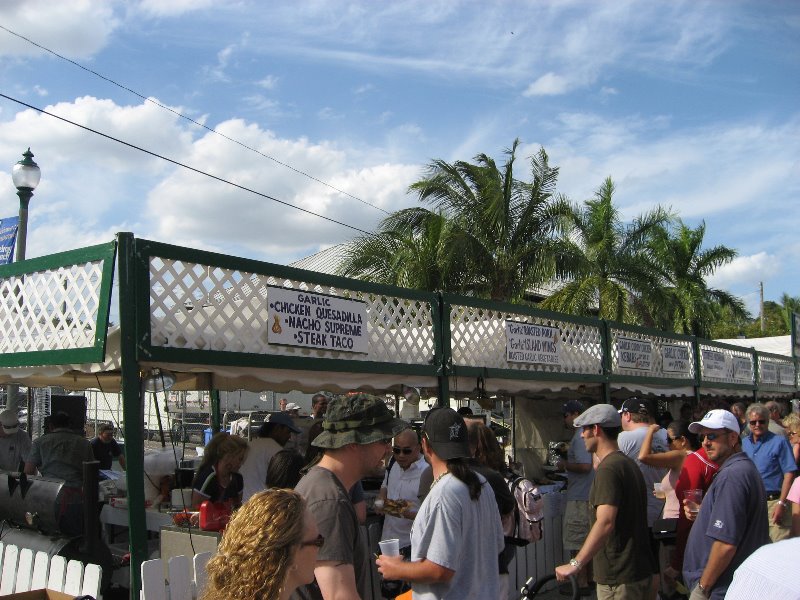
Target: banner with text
(676, 359)
(8, 237)
(299, 318)
(768, 372)
(743, 369)
(532, 343)
(634, 354)
(714, 363)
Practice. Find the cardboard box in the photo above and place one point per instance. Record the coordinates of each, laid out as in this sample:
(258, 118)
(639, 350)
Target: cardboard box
(40, 595)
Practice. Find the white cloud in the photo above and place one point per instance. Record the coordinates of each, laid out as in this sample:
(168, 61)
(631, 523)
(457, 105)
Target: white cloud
(548, 84)
(173, 8)
(76, 28)
(269, 82)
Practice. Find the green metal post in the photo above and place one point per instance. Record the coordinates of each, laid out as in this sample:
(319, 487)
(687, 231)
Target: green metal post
(442, 349)
(605, 360)
(132, 412)
(215, 420)
(698, 378)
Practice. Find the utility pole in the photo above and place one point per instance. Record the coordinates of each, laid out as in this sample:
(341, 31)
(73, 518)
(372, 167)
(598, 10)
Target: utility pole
(763, 327)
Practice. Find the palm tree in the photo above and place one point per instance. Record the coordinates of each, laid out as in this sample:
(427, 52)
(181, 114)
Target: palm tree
(498, 236)
(687, 304)
(607, 269)
(405, 252)
(789, 305)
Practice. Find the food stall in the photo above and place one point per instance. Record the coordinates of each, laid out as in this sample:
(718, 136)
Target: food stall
(206, 321)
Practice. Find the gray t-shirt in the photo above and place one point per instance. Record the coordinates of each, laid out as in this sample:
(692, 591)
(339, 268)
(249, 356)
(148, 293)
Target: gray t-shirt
(461, 534)
(14, 449)
(336, 519)
(60, 455)
(579, 483)
(630, 442)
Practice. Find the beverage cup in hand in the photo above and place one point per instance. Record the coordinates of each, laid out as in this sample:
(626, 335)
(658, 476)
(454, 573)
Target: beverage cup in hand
(693, 499)
(390, 547)
(657, 491)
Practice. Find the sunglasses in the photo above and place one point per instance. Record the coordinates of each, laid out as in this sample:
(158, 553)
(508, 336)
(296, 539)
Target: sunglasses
(709, 436)
(317, 541)
(758, 422)
(398, 450)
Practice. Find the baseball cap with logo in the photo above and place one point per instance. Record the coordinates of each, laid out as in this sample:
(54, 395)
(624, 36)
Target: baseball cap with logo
(446, 433)
(571, 406)
(718, 418)
(357, 419)
(9, 421)
(637, 405)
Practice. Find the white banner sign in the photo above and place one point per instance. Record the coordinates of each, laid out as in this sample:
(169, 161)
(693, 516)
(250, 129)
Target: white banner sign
(676, 359)
(634, 354)
(743, 369)
(298, 318)
(768, 372)
(531, 343)
(713, 363)
(786, 374)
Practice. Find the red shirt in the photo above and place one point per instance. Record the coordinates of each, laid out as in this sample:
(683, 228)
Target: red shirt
(697, 473)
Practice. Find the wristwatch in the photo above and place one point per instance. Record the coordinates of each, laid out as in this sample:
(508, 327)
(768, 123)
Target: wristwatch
(782, 503)
(575, 563)
(703, 589)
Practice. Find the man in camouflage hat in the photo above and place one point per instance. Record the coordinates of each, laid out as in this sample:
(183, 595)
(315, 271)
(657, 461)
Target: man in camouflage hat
(356, 435)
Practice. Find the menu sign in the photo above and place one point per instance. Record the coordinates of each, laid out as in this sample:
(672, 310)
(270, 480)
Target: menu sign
(713, 363)
(768, 372)
(675, 359)
(532, 343)
(786, 374)
(634, 354)
(298, 318)
(743, 369)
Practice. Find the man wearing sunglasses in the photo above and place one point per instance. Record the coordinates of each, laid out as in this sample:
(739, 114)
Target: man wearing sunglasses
(401, 483)
(731, 523)
(774, 459)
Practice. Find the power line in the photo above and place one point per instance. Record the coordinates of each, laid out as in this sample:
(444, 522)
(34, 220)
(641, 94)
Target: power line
(182, 116)
(180, 164)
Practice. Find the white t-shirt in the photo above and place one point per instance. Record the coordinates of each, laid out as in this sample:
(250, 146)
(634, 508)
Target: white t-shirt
(402, 485)
(460, 534)
(254, 469)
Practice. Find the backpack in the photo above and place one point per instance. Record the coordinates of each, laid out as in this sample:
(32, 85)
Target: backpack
(525, 525)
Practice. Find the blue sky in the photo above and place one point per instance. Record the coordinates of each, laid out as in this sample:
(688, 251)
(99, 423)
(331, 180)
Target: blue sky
(693, 105)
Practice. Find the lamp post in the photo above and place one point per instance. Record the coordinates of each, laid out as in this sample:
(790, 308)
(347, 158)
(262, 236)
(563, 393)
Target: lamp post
(25, 175)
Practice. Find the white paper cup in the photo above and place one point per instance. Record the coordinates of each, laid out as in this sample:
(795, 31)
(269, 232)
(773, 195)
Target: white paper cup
(390, 547)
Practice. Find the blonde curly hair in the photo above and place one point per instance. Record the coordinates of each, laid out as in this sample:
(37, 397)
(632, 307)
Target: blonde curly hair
(257, 548)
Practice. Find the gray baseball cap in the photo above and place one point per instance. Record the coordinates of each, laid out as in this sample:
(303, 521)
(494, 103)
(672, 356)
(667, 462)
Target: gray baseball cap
(604, 415)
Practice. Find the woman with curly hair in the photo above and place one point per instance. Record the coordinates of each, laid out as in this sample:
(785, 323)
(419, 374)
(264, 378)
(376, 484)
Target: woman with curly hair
(268, 549)
(218, 477)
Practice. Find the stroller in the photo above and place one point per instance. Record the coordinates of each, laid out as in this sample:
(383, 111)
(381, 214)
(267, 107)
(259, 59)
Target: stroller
(533, 585)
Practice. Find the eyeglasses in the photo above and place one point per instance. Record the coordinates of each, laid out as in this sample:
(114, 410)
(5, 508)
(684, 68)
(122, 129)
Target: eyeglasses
(709, 436)
(317, 541)
(758, 422)
(398, 450)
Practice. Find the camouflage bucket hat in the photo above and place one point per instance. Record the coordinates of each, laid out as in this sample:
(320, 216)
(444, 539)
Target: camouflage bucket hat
(357, 419)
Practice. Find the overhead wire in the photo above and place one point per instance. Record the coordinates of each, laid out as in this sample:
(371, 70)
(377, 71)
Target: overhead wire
(193, 121)
(183, 165)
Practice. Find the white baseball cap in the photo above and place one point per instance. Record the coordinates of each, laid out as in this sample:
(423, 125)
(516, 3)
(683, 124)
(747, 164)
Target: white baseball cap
(718, 418)
(292, 406)
(9, 421)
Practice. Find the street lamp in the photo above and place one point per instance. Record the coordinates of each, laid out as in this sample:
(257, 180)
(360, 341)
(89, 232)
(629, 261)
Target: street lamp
(25, 175)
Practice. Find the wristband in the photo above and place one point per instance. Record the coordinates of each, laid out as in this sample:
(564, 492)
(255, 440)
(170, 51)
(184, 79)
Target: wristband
(782, 503)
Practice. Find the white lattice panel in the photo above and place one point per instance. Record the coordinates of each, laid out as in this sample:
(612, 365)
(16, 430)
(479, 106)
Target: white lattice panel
(478, 339)
(52, 309)
(202, 307)
(777, 372)
(730, 354)
(657, 345)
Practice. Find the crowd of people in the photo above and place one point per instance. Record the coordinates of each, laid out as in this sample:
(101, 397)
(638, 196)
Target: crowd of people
(655, 507)
(679, 509)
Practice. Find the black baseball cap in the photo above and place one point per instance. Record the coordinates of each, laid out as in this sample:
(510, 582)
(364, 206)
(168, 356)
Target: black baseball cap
(446, 433)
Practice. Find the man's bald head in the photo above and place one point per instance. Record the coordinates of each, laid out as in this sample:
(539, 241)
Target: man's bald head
(406, 448)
